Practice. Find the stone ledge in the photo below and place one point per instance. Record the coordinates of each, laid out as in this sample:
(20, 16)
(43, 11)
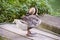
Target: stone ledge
(51, 23)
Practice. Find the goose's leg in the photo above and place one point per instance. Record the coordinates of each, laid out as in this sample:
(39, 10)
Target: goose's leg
(28, 31)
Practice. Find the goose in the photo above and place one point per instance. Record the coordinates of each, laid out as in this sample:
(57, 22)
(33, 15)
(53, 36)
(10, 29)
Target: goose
(32, 19)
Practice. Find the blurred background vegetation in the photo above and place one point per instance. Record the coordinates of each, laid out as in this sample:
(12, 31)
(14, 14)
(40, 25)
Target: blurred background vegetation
(11, 9)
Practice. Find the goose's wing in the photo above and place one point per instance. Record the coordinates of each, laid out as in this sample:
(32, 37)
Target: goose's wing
(24, 22)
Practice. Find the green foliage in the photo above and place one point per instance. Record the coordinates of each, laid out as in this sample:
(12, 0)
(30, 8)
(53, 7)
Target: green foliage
(12, 9)
(3, 38)
(55, 5)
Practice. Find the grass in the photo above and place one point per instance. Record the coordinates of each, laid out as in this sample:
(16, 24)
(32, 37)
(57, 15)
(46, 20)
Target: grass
(3, 38)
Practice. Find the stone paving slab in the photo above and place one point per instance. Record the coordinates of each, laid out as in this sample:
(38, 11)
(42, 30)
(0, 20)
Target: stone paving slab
(17, 34)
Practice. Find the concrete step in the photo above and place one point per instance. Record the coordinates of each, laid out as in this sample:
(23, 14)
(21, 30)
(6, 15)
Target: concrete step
(51, 23)
(10, 31)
